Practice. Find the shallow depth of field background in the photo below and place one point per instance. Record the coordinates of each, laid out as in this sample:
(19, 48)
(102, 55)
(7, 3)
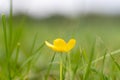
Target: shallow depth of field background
(84, 20)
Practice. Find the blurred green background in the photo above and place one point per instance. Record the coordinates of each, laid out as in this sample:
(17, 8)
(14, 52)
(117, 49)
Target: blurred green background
(85, 29)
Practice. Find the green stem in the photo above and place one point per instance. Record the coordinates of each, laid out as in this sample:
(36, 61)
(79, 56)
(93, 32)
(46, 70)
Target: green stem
(61, 68)
(69, 66)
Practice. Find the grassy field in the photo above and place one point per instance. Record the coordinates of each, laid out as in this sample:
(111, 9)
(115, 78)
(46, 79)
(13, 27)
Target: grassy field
(29, 59)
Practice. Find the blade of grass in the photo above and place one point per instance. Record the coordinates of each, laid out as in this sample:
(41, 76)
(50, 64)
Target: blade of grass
(50, 66)
(6, 44)
(85, 56)
(33, 45)
(89, 63)
(101, 58)
(70, 66)
(118, 66)
(64, 66)
(31, 57)
(17, 55)
(82, 57)
(29, 60)
(77, 65)
(75, 70)
(5, 33)
(31, 51)
(18, 33)
(93, 69)
(16, 38)
(107, 55)
(16, 60)
(102, 70)
(10, 24)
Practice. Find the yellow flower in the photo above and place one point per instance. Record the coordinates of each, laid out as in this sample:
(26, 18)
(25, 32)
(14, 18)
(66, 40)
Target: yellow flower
(60, 45)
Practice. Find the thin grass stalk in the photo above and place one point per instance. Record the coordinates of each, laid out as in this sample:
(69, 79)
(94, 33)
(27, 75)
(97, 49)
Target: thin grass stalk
(31, 51)
(64, 69)
(31, 57)
(34, 42)
(102, 71)
(118, 66)
(85, 55)
(69, 67)
(16, 39)
(50, 66)
(10, 24)
(107, 55)
(77, 65)
(28, 60)
(17, 55)
(5, 33)
(6, 45)
(61, 68)
(17, 34)
(101, 58)
(16, 60)
(89, 63)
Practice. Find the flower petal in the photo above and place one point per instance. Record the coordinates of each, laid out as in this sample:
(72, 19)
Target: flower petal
(70, 44)
(48, 44)
(60, 44)
(51, 46)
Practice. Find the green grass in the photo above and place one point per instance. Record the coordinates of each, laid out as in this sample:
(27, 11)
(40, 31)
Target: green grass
(31, 59)
(24, 56)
